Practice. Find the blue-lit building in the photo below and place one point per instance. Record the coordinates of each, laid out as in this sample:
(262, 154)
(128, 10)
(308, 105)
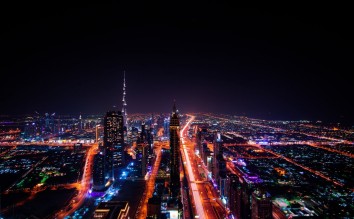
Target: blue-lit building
(166, 127)
(99, 169)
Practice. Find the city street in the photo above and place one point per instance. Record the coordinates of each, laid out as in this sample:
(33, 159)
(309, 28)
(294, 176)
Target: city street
(205, 202)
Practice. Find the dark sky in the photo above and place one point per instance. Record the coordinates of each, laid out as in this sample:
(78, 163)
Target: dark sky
(216, 58)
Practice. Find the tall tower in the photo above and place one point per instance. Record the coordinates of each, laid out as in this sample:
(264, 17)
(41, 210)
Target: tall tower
(124, 105)
(99, 172)
(113, 140)
(261, 205)
(175, 154)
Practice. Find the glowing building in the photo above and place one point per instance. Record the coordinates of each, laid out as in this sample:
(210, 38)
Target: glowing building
(175, 154)
(113, 140)
(99, 169)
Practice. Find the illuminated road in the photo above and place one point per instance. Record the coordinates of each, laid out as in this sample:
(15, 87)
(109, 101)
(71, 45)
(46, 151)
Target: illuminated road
(205, 200)
(317, 173)
(196, 194)
(331, 150)
(310, 143)
(41, 143)
(150, 187)
(28, 172)
(83, 187)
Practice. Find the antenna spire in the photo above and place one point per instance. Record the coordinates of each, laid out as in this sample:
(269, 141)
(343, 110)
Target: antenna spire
(124, 103)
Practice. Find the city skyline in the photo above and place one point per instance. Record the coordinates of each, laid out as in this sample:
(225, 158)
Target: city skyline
(173, 111)
(263, 64)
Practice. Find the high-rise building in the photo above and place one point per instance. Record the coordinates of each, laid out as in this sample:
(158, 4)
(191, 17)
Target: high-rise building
(113, 139)
(124, 105)
(219, 165)
(166, 127)
(261, 205)
(217, 148)
(234, 193)
(142, 158)
(99, 169)
(175, 154)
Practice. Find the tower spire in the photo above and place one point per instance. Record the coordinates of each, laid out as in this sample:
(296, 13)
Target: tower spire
(174, 109)
(124, 103)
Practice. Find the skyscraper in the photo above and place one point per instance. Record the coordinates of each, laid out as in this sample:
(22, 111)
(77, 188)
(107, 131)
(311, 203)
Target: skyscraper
(166, 124)
(99, 170)
(113, 139)
(175, 154)
(141, 158)
(124, 105)
(261, 205)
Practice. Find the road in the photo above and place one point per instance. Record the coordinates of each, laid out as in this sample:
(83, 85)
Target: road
(82, 187)
(205, 201)
(41, 143)
(28, 172)
(150, 187)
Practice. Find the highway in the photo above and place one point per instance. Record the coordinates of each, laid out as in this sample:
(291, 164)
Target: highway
(317, 173)
(83, 187)
(205, 201)
(45, 143)
(150, 187)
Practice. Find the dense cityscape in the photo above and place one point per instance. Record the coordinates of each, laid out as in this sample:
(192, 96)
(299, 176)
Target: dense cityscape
(174, 165)
(173, 110)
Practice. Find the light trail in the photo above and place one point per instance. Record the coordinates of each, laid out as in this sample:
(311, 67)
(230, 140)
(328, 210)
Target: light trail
(150, 186)
(303, 167)
(336, 140)
(40, 143)
(84, 185)
(195, 192)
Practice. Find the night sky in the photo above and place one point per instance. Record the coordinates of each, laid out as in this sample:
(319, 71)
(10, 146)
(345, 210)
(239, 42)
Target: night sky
(261, 63)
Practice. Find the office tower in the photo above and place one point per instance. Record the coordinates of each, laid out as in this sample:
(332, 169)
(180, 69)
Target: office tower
(166, 127)
(234, 193)
(219, 164)
(30, 128)
(261, 205)
(245, 205)
(175, 154)
(99, 169)
(150, 141)
(147, 137)
(141, 158)
(113, 140)
(216, 148)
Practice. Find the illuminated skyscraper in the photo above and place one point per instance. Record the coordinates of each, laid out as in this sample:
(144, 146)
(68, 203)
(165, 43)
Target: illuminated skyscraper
(175, 154)
(99, 169)
(166, 124)
(141, 158)
(124, 105)
(113, 139)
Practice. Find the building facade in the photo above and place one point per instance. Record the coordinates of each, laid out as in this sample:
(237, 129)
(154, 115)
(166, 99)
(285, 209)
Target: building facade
(175, 154)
